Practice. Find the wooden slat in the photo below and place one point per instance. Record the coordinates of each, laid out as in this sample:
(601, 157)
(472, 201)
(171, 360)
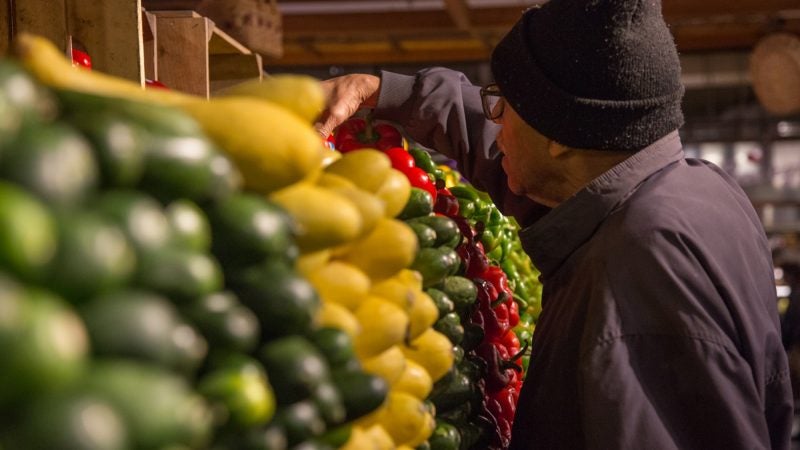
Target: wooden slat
(234, 67)
(222, 43)
(150, 44)
(5, 26)
(43, 17)
(183, 52)
(170, 5)
(111, 31)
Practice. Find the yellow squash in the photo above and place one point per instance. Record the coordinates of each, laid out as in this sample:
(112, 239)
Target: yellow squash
(324, 218)
(433, 351)
(390, 247)
(300, 94)
(383, 324)
(271, 146)
(414, 380)
(339, 282)
(389, 364)
(366, 168)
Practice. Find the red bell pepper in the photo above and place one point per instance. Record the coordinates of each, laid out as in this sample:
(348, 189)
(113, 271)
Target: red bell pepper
(359, 133)
(81, 58)
(400, 158)
(420, 179)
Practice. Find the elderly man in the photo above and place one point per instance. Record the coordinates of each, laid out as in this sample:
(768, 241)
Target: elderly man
(659, 327)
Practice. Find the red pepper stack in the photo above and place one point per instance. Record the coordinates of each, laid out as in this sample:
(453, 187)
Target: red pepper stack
(496, 313)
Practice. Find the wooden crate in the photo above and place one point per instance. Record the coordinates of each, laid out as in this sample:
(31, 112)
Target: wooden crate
(182, 49)
(109, 30)
(192, 55)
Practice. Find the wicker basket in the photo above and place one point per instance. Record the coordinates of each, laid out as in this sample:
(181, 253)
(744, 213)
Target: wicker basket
(775, 73)
(255, 23)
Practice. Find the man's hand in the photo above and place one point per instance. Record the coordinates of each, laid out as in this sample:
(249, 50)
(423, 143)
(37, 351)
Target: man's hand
(346, 95)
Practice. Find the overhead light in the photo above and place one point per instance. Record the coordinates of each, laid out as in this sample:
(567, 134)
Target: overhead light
(786, 128)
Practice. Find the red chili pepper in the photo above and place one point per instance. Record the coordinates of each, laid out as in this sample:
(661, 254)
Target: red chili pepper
(513, 313)
(500, 310)
(446, 203)
(475, 261)
(498, 366)
(495, 314)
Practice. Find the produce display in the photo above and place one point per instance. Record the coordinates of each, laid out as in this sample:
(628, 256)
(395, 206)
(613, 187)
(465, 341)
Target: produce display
(478, 304)
(177, 272)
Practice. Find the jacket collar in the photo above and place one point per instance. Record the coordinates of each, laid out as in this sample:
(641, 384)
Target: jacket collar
(553, 238)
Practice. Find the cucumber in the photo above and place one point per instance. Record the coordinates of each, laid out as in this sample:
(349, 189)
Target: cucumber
(425, 234)
(183, 275)
(460, 290)
(247, 229)
(447, 232)
(118, 145)
(28, 233)
(54, 162)
(442, 301)
(140, 217)
(94, 256)
(435, 264)
(420, 203)
(143, 325)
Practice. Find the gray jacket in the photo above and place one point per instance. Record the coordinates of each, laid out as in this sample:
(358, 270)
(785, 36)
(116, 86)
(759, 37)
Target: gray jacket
(659, 327)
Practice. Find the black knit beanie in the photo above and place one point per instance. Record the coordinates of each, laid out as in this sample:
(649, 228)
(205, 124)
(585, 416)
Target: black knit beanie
(593, 74)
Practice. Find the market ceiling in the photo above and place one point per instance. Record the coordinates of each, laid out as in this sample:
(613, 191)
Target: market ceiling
(336, 32)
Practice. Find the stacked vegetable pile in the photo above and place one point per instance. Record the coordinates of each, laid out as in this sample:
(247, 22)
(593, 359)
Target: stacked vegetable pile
(148, 301)
(206, 274)
(476, 399)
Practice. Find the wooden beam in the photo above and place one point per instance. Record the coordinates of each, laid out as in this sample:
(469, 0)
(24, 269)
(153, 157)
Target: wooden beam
(459, 13)
(725, 36)
(293, 59)
(499, 19)
(363, 23)
(675, 10)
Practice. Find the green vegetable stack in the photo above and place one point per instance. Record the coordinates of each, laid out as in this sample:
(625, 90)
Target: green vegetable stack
(503, 248)
(479, 309)
(146, 300)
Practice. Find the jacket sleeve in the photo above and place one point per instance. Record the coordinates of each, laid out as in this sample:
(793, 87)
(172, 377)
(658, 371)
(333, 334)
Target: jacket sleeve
(440, 109)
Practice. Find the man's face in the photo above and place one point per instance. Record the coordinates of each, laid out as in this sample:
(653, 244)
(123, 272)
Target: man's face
(526, 159)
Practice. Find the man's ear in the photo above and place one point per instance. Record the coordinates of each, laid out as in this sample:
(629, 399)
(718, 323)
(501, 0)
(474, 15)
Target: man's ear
(557, 150)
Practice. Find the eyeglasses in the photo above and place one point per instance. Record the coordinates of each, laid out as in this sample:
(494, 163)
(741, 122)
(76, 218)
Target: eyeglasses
(492, 108)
